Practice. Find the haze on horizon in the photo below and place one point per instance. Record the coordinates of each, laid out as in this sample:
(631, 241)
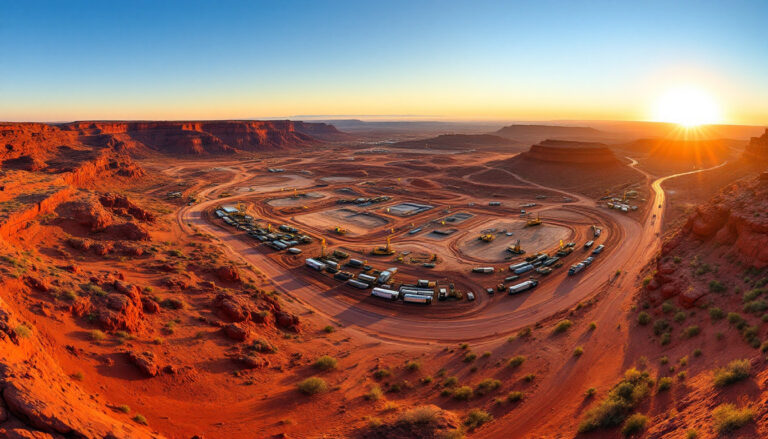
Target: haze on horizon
(453, 60)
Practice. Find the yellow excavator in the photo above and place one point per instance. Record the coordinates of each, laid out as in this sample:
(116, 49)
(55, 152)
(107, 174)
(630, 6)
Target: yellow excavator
(516, 249)
(339, 230)
(386, 250)
(534, 221)
(487, 237)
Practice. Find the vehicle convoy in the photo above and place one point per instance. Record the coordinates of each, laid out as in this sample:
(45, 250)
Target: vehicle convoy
(523, 286)
(589, 244)
(598, 249)
(576, 268)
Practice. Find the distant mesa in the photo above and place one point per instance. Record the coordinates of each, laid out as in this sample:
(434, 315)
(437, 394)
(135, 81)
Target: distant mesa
(537, 133)
(452, 141)
(568, 151)
(757, 148)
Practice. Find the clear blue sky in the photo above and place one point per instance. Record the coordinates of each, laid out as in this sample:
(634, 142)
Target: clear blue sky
(475, 59)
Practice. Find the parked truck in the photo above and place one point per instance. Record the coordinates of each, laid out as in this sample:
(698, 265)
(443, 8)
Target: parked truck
(385, 293)
(576, 268)
(523, 286)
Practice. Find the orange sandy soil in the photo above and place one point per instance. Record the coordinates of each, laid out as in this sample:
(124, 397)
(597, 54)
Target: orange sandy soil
(60, 291)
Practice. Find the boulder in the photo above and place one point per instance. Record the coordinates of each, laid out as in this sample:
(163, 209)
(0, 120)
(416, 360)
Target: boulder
(287, 321)
(236, 332)
(145, 362)
(253, 361)
(228, 273)
(149, 306)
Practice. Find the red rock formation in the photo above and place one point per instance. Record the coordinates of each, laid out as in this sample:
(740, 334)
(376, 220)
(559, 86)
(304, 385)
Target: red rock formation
(757, 149)
(565, 151)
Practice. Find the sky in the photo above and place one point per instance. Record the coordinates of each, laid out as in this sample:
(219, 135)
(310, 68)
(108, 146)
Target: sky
(457, 60)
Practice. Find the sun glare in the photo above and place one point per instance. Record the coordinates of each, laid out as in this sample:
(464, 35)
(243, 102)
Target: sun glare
(687, 106)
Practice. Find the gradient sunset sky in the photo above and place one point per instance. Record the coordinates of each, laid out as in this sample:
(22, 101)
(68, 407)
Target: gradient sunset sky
(537, 60)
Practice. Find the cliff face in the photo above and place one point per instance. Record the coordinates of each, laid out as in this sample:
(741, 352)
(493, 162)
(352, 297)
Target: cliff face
(34, 141)
(757, 148)
(564, 151)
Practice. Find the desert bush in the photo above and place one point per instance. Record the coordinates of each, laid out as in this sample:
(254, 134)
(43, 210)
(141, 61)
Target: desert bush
(516, 361)
(470, 357)
(660, 326)
(680, 316)
(515, 396)
(530, 377)
(562, 326)
(464, 346)
(753, 294)
(463, 393)
(716, 286)
(450, 382)
(325, 362)
(426, 380)
(382, 373)
(665, 338)
(736, 370)
(643, 318)
(634, 424)
(716, 313)
(735, 319)
(667, 307)
(374, 394)
(312, 386)
(23, 331)
(624, 396)
(421, 415)
(590, 392)
(488, 385)
(592, 326)
(728, 417)
(525, 332)
(692, 331)
(664, 383)
(578, 351)
(413, 365)
(124, 408)
(97, 335)
(755, 306)
(328, 329)
(476, 418)
(140, 419)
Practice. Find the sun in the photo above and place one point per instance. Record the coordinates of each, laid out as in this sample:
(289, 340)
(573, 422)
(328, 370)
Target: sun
(687, 106)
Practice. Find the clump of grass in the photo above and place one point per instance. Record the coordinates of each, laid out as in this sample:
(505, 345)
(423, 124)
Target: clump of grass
(667, 307)
(728, 417)
(716, 286)
(660, 326)
(312, 386)
(578, 351)
(476, 418)
(450, 382)
(634, 424)
(421, 415)
(374, 394)
(716, 313)
(515, 396)
(735, 371)
(664, 384)
(516, 361)
(691, 331)
(643, 318)
(470, 357)
(328, 329)
(463, 393)
(562, 326)
(78, 376)
(23, 331)
(680, 316)
(97, 335)
(592, 326)
(488, 385)
(326, 362)
(382, 373)
(590, 392)
(463, 346)
(124, 408)
(755, 306)
(530, 377)
(622, 398)
(140, 419)
(413, 365)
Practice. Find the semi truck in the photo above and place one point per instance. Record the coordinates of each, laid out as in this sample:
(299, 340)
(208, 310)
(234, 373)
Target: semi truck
(576, 268)
(385, 293)
(415, 298)
(314, 264)
(523, 286)
(524, 269)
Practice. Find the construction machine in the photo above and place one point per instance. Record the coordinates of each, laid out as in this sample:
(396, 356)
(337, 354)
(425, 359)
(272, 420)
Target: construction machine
(534, 221)
(487, 237)
(516, 249)
(386, 250)
(339, 230)
(322, 248)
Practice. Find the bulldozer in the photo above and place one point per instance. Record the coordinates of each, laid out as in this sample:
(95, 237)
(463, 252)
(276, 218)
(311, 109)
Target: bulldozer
(339, 230)
(533, 221)
(383, 251)
(516, 249)
(487, 237)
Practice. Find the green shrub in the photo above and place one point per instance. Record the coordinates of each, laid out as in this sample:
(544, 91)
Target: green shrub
(716, 313)
(516, 361)
(23, 331)
(450, 382)
(413, 365)
(325, 362)
(692, 331)
(753, 294)
(470, 357)
(562, 326)
(680, 316)
(664, 384)
(736, 370)
(97, 335)
(667, 307)
(488, 385)
(716, 286)
(590, 392)
(592, 326)
(660, 326)
(736, 319)
(622, 398)
(530, 377)
(312, 386)
(515, 396)
(140, 419)
(422, 415)
(634, 424)
(578, 351)
(727, 417)
(755, 306)
(463, 393)
(382, 373)
(124, 408)
(643, 318)
(476, 418)
(665, 338)
(328, 329)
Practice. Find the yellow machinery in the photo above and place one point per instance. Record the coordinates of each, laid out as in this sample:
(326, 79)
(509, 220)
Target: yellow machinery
(340, 230)
(240, 209)
(487, 237)
(534, 222)
(322, 248)
(386, 250)
(295, 194)
(515, 248)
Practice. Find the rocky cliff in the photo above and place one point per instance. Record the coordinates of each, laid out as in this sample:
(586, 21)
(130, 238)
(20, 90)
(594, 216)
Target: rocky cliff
(566, 151)
(32, 142)
(757, 148)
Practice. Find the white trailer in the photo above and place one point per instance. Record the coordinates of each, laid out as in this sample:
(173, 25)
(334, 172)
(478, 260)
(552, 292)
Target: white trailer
(314, 264)
(415, 298)
(482, 270)
(524, 269)
(385, 293)
(358, 284)
(366, 278)
(523, 286)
